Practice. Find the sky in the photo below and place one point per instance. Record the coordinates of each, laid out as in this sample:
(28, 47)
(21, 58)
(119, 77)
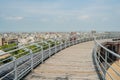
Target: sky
(59, 15)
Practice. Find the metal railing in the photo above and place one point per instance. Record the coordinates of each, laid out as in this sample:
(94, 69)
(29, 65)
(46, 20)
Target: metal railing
(18, 68)
(103, 60)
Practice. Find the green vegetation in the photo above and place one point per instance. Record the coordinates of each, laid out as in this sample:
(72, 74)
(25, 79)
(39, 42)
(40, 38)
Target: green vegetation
(8, 47)
(19, 53)
(44, 45)
(57, 43)
(51, 43)
(34, 48)
(22, 52)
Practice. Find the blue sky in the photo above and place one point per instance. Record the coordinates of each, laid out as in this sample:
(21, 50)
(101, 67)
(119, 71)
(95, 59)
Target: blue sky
(59, 15)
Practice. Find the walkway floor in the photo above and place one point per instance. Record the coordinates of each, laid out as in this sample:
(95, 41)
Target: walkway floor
(73, 63)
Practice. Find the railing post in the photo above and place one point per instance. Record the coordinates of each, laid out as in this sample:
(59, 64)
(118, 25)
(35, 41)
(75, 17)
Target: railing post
(105, 66)
(105, 61)
(65, 44)
(55, 47)
(61, 46)
(73, 42)
(31, 56)
(76, 41)
(15, 67)
(95, 48)
(95, 55)
(69, 43)
(42, 53)
(49, 50)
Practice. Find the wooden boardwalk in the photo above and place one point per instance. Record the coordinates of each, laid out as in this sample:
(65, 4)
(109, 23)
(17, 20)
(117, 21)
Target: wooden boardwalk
(72, 63)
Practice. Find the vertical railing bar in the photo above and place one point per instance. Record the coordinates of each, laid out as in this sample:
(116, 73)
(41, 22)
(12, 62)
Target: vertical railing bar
(55, 47)
(105, 65)
(31, 55)
(15, 68)
(110, 66)
(42, 54)
(65, 44)
(95, 56)
(106, 72)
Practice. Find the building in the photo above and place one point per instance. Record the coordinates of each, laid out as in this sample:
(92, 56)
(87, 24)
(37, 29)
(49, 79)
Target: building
(11, 41)
(2, 41)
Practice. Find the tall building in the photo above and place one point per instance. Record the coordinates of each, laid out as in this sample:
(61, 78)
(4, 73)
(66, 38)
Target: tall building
(3, 41)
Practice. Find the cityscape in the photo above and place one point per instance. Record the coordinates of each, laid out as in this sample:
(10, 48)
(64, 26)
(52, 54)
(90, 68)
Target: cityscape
(59, 40)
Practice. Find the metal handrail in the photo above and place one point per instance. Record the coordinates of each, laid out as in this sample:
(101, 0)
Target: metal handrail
(99, 64)
(110, 66)
(113, 53)
(105, 70)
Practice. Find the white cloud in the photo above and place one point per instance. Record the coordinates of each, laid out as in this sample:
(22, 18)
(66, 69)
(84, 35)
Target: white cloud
(14, 18)
(104, 19)
(84, 17)
(44, 20)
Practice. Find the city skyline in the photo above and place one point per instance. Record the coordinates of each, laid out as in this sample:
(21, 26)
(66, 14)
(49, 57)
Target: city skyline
(59, 15)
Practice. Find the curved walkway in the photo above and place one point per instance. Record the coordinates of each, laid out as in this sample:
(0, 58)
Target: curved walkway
(73, 63)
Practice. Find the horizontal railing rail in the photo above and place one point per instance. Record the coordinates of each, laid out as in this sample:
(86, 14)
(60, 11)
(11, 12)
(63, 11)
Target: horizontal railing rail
(103, 61)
